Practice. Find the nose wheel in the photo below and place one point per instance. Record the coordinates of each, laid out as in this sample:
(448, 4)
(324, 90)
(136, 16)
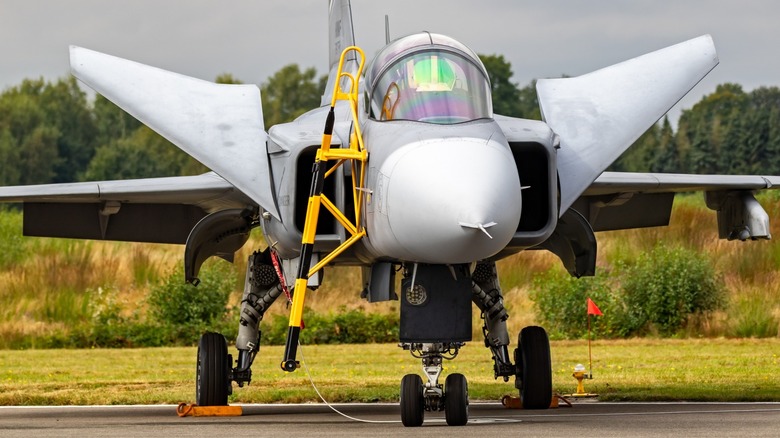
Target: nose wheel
(456, 400)
(412, 401)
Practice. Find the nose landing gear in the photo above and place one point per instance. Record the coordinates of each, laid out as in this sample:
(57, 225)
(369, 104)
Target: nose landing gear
(418, 397)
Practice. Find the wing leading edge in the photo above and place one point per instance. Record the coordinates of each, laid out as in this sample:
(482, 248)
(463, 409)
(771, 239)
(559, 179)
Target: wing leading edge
(219, 125)
(600, 114)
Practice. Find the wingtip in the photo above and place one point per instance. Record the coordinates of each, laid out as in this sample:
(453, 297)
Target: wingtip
(73, 53)
(74, 50)
(709, 47)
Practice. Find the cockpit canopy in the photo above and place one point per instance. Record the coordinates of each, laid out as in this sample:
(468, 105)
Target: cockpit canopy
(428, 78)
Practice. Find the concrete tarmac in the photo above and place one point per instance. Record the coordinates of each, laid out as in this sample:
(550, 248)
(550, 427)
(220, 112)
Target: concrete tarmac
(317, 420)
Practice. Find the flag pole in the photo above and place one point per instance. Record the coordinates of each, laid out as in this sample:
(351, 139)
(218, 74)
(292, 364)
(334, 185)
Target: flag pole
(590, 357)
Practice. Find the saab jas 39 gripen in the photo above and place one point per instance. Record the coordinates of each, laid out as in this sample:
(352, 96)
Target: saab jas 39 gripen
(404, 168)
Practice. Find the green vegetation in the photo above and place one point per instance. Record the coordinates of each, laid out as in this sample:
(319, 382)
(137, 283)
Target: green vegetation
(177, 303)
(177, 313)
(289, 93)
(12, 243)
(343, 326)
(728, 131)
(663, 292)
(559, 301)
(508, 98)
(667, 288)
(636, 370)
(69, 293)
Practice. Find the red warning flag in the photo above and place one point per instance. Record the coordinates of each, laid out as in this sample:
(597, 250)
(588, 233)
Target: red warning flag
(593, 308)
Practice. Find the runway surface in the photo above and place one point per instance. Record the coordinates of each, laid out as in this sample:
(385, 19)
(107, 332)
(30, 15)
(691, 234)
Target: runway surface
(486, 419)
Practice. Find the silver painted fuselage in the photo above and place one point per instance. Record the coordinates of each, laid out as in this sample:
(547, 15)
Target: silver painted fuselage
(439, 193)
(433, 193)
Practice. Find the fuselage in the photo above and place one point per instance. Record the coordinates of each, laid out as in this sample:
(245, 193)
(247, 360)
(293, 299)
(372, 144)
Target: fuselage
(442, 184)
(440, 194)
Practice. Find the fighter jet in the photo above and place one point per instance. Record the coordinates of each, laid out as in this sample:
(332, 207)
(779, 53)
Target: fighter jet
(404, 168)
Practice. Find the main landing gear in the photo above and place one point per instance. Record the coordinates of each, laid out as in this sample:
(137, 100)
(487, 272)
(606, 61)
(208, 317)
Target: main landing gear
(212, 385)
(215, 372)
(533, 376)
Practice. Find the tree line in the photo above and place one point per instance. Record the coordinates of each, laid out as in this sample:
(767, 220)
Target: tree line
(51, 132)
(729, 131)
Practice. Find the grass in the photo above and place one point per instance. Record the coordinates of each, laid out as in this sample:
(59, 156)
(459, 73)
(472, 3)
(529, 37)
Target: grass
(630, 370)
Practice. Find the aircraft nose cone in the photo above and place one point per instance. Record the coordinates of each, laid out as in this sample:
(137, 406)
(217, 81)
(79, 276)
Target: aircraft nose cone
(452, 201)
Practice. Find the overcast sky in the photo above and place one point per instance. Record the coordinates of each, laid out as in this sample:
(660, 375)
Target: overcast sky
(254, 39)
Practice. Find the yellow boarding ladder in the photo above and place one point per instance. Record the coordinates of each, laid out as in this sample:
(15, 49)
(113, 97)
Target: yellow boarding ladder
(356, 155)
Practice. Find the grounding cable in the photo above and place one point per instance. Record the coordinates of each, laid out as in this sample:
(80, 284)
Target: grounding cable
(278, 268)
(333, 408)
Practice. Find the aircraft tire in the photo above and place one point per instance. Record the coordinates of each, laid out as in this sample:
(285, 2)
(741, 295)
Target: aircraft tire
(412, 403)
(211, 379)
(535, 369)
(456, 400)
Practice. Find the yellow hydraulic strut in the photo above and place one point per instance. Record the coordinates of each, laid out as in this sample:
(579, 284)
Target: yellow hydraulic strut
(357, 155)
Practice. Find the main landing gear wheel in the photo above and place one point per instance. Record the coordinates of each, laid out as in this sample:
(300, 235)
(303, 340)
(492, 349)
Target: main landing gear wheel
(534, 370)
(456, 400)
(211, 380)
(412, 403)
